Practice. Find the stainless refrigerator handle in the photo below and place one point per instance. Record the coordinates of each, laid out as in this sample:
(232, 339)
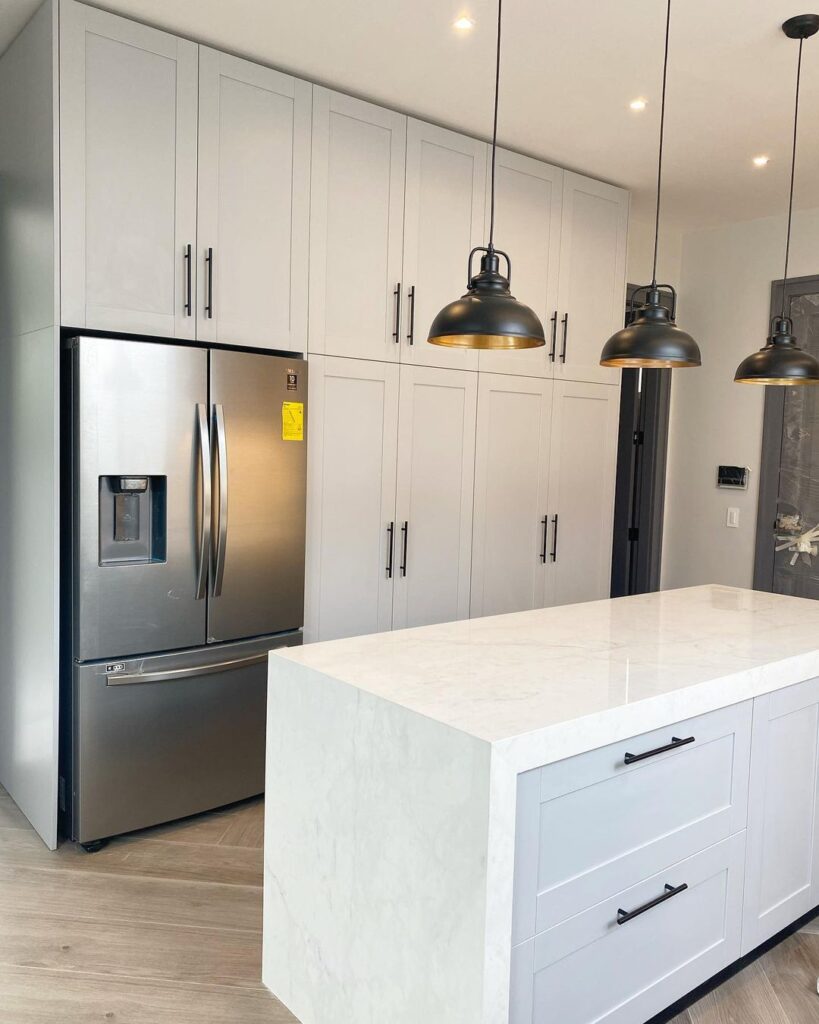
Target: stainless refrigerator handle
(169, 674)
(221, 536)
(205, 514)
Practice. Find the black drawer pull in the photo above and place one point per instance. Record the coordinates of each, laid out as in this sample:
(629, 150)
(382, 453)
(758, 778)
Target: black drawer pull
(397, 296)
(553, 552)
(624, 916)
(565, 323)
(390, 546)
(545, 524)
(675, 742)
(553, 349)
(411, 332)
(405, 535)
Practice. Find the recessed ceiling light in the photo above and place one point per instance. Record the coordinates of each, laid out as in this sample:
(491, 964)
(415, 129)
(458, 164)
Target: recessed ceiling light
(638, 104)
(761, 161)
(464, 23)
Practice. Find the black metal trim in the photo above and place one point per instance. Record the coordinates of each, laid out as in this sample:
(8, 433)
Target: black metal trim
(391, 536)
(397, 329)
(405, 539)
(565, 323)
(673, 745)
(209, 303)
(188, 260)
(624, 916)
(411, 302)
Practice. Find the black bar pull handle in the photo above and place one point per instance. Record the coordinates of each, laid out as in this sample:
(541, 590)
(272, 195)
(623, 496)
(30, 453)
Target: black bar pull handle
(390, 548)
(188, 281)
(673, 745)
(553, 348)
(397, 295)
(624, 916)
(553, 553)
(411, 300)
(405, 537)
(545, 524)
(565, 323)
(209, 303)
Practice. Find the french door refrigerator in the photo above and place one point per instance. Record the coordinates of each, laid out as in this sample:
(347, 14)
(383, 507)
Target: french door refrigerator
(188, 474)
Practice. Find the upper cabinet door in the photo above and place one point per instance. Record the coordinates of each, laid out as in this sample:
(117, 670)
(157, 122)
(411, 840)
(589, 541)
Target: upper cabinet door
(443, 221)
(254, 202)
(351, 536)
(528, 200)
(509, 550)
(581, 491)
(592, 287)
(356, 212)
(128, 102)
(436, 463)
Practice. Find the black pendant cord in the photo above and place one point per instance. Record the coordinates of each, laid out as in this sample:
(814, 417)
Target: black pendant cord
(495, 133)
(660, 157)
(793, 178)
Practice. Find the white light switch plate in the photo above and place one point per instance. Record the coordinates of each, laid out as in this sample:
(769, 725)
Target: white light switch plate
(732, 517)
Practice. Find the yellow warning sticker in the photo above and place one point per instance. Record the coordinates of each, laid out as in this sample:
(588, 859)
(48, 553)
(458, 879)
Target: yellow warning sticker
(292, 421)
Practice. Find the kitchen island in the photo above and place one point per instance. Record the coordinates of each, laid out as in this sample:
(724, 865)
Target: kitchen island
(572, 814)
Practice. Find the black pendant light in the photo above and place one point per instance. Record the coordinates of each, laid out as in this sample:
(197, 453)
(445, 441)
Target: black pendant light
(781, 361)
(488, 315)
(652, 339)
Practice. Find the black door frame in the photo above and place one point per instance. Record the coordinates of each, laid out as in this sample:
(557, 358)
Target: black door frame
(772, 427)
(642, 451)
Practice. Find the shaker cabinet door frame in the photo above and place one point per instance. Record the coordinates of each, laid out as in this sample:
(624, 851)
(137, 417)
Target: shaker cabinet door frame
(509, 550)
(529, 201)
(592, 284)
(443, 221)
(128, 102)
(254, 202)
(352, 554)
(356, 227)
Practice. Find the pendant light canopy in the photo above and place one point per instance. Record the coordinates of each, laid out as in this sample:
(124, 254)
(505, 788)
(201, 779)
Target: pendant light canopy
(781, 361)
(653, 339)
(488, 315)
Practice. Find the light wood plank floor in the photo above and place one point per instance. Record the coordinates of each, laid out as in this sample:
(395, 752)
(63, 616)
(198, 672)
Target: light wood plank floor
(164, 927)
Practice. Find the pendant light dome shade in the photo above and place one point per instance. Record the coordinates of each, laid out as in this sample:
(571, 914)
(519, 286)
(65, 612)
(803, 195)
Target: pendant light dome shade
(781, 361)
(652, 339)
(488, 316)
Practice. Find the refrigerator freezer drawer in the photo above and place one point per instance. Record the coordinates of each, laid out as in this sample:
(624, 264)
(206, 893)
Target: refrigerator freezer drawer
(163, 737)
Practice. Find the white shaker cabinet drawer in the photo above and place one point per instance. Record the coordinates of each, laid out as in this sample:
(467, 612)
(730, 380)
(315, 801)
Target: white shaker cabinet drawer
(594, 824)
(629, 957)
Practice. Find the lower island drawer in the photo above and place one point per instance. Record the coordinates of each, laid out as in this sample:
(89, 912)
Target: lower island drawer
(600, 822)
(635, 954)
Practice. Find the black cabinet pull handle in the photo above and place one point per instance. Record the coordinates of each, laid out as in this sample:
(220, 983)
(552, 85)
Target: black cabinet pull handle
(411, 300)
(565, 323)
(624, 916)
(553, 553)
(397, 295)
(390, 546)
(405, 536)
(553, 349)
(209, 304)
(188, 281)
(545, 523)
(675, 742)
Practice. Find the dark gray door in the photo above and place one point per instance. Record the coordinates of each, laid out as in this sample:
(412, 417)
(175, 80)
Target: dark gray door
(259, 444)
(787, 556)
(140, 434)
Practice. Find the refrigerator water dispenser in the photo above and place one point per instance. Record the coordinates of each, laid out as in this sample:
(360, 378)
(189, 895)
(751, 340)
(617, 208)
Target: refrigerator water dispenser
(132, 519)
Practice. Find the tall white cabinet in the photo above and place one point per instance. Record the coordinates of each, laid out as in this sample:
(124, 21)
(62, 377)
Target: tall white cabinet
(128, 107)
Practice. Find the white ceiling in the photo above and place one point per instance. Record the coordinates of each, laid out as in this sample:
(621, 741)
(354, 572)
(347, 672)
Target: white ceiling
(570, 68)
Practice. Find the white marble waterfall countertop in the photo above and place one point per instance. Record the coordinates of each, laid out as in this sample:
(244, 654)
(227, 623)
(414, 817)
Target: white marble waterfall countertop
(546, 684)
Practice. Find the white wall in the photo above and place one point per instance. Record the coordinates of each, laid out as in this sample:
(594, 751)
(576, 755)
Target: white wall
(641, 252)
(726, 287)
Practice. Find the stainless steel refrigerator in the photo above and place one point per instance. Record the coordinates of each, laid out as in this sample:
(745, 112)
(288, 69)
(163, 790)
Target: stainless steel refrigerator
(188, 521)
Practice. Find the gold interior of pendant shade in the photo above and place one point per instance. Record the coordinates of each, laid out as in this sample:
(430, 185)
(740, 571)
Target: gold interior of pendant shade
(781, 381)
(658, 364)
(505, 342)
